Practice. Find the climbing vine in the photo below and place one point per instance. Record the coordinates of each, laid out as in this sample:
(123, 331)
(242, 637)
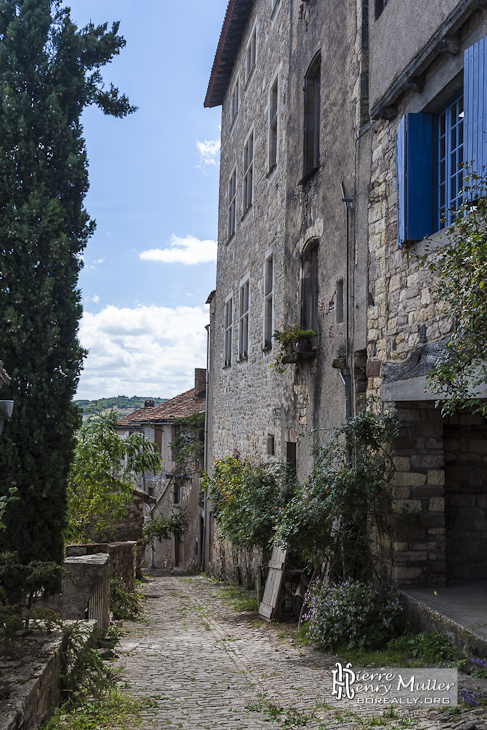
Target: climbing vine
(346, 499)
(188, 446)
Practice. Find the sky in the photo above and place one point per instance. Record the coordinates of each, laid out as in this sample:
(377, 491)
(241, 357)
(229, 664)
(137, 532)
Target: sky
(151, 263)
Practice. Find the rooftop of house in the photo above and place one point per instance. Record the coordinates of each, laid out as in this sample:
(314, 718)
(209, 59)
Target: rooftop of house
(186, 404)
(236, 19)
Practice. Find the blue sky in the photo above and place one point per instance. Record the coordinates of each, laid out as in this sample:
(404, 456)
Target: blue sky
(154, 195)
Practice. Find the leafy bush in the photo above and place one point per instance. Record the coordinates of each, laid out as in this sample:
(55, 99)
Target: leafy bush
(430, 648)
(124, 604)
(247, 497)
(351, 614)
(346, 498)
(162, 527)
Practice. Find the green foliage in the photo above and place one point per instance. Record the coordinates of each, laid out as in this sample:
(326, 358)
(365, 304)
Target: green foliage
(5, 501)
(114, 709)
(351, 614)
(103, 475)
(287, 337)
(124, 604)
(22, 584)
(459, 265)
(188, 446)
(247, 498)
(49, 72)
(346, 498)
(164, 526)
(429, 648)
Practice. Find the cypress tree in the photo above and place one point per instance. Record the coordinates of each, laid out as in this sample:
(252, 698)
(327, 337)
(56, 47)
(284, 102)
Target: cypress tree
(49, 72)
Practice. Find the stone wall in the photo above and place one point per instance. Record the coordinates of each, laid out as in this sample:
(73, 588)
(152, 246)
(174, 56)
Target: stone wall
(419, 504)
(121, 559)
(466, 496)
(87, 574)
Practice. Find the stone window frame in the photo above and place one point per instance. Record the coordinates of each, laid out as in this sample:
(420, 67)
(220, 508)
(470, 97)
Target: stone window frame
(274, 7)
(234, 101)
(269, 311)
(227, 331)
(273, 124)
(251, 55)
(243, 319)
(271, 444)
(232, 205)
(248, 173)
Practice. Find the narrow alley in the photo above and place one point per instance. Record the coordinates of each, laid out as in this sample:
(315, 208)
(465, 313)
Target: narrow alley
(202, 664)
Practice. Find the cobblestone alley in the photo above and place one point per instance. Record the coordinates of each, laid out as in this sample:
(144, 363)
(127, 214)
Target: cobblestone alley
(204, 665)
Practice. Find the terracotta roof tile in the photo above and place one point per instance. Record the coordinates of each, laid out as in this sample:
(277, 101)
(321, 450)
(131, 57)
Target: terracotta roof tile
(182, 405)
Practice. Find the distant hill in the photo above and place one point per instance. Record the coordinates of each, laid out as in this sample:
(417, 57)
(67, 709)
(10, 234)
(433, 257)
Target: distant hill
(121, 404)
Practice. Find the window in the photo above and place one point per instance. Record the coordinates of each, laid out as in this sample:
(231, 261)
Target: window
(273, 108)
(243, 324)
(234, 107)
(248, 165)
(268, 302)
(339, 302)
(227, 345)
(430, 148)
(251, 53)
(309, 301)
(271, 445)
(312, 91)
(379, 7)
(232, 195)
(291, 455)
(449, 125)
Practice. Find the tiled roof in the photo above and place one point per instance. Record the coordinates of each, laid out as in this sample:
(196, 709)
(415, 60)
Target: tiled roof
(182, 405)
(236, 19)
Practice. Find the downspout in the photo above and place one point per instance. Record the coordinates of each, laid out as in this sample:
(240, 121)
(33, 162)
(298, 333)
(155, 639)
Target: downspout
(205, 447)
(345, 374)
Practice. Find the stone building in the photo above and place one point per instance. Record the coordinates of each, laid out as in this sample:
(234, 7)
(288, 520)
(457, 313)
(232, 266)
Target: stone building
(167, 494)
(289, 215)
(343, 125)
(427, 101)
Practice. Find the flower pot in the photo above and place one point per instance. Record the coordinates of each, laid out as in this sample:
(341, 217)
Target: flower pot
(304, 346)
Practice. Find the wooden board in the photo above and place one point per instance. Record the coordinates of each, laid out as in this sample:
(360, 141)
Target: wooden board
(273, 583)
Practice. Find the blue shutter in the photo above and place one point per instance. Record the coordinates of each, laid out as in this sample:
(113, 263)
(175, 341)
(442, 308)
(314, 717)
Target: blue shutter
(475, 100)
(414, 177)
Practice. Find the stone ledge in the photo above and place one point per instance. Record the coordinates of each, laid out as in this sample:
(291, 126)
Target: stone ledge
(32, 682)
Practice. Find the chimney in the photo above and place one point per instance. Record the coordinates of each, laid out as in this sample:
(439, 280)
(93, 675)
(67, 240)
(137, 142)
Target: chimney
(149, 404)
(199, 382)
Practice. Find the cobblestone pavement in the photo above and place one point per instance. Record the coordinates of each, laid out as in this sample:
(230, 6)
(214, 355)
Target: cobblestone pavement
(202, 664)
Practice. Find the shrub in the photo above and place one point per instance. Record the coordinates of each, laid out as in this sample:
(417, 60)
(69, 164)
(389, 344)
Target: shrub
(124, 604)
(430, 648)
(351, 614)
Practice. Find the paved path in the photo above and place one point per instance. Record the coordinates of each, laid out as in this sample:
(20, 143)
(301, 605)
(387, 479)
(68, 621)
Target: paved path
(204, 665)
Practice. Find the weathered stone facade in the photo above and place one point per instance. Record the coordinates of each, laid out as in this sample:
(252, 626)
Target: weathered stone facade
(440, 489)
(379, 325)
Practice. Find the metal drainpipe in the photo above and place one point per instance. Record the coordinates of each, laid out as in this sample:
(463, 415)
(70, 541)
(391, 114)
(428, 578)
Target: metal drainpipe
(205, 447)
(345, 374)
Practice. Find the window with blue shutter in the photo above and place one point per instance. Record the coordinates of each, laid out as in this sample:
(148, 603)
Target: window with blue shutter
(414, 177)
(475, 93)
(449, 138)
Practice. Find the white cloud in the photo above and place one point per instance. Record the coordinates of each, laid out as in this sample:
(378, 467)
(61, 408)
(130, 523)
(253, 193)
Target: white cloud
(209, 151)
(149, 351)
(95, 299)
(187, 250)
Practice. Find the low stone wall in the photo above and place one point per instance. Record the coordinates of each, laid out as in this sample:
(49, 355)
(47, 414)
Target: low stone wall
(122, 559)
(88, 577)
(30, 684)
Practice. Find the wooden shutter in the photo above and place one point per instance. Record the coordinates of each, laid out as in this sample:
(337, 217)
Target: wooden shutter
(414, 177)
(475, 100)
